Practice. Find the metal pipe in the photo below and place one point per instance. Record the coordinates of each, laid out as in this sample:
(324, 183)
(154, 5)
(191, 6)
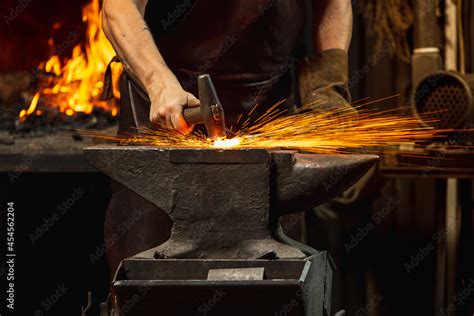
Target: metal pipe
(426, 26)
(426, 57)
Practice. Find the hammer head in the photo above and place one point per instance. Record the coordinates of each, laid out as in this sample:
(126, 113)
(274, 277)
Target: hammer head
(210, 113)
(211, 108)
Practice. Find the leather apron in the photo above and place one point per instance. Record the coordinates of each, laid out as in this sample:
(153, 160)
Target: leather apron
(246, 46)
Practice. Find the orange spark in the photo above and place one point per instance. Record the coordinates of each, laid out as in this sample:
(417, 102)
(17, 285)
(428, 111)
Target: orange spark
(313, 131)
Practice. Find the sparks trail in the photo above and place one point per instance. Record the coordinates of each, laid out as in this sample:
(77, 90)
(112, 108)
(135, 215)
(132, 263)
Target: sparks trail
(310, 130)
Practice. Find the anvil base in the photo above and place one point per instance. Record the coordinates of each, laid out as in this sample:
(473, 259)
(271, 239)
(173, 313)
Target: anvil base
(181, 287)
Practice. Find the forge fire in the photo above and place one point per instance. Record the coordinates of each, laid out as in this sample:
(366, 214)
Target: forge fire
(238, 157)
(74, 84)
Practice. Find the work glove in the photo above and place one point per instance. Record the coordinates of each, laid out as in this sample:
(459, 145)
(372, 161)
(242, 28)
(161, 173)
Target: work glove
(323, 83)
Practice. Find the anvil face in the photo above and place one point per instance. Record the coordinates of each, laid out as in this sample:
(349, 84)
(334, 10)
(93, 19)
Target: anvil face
(221, 201)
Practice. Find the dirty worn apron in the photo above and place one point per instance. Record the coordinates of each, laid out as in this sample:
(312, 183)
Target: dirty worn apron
(247, 46)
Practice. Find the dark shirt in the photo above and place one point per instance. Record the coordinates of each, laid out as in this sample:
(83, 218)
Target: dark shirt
(245, 45)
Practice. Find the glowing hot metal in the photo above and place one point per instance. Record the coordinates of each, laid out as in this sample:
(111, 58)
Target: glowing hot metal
(226, 143)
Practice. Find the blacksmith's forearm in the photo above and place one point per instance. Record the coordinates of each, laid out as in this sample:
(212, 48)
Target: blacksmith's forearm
(126, 29)
(332, 24)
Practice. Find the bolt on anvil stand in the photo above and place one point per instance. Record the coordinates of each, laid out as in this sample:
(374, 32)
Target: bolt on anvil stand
(221, 257)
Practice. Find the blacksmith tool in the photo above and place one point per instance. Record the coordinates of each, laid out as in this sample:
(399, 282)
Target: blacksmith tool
(223, 229)
(227, 215)
(135, 108)
(210, 112)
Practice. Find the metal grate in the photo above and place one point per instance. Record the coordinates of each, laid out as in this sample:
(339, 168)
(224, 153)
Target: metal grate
(442, 100)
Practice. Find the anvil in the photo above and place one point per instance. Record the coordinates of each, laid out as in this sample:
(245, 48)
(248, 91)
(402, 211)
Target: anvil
(225, 203)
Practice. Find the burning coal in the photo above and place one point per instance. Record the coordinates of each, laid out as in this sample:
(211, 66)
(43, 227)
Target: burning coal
(74, 85)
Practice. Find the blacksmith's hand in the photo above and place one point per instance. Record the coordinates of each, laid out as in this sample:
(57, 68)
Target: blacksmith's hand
(167, 105)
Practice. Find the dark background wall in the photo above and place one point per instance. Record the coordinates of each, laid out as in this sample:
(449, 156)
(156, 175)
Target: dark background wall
(26, 26)
(59, 222)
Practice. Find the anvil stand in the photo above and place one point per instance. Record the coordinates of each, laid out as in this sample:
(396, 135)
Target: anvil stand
(221, 257)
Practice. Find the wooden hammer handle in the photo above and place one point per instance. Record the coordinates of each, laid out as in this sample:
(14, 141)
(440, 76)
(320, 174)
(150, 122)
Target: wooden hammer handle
(193, 115)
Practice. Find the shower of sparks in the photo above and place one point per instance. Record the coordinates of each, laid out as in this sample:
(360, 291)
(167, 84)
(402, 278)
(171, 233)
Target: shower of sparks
(310, 130)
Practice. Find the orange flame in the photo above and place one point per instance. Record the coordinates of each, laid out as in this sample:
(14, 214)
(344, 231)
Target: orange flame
(32, 107)
(78, 82)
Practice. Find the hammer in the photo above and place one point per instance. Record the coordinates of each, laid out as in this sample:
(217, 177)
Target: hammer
(210, 112)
